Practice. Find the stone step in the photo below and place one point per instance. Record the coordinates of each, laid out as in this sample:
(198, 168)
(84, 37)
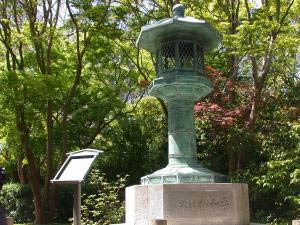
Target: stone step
(165, 222)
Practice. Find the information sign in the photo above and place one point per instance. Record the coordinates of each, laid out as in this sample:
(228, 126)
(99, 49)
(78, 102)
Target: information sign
(74, 171)
(76, 167)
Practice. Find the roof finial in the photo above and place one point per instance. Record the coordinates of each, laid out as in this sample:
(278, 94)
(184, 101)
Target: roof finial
(178, 10)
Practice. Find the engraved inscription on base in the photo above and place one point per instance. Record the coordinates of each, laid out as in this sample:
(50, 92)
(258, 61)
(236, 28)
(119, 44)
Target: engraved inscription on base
(190, 178)
(199, 204)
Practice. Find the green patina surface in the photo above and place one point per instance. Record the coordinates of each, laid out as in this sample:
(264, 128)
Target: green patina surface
(179, 43)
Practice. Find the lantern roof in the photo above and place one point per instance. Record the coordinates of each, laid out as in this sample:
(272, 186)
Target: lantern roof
(178, 27)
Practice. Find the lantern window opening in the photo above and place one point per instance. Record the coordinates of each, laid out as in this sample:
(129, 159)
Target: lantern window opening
(186, 54)
(199, 59)
(181, 55)
(168, 56)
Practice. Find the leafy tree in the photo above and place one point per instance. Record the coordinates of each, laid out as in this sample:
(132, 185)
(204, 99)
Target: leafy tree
(57, 76)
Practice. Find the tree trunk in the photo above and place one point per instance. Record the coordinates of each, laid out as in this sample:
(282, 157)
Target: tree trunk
(47, 200)
(20, 170)
(254, 107)
(52, 203)
(64, 129)
(232, 162)
(34, 177)
(233, 70)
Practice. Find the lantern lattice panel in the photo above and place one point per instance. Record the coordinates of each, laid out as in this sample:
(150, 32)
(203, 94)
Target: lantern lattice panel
(199, 59)
(186, 55)
(181, 55)
(168, 56)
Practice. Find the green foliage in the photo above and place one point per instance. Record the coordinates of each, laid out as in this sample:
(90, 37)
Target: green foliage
(18, 202)
(273, 166)
(103, 205)
(64, 204)
(217, 145)
(102, 201)
(275, 183)
(135, 144)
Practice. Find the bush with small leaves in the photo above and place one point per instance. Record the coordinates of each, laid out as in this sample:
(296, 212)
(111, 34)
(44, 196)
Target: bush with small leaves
(103, 205)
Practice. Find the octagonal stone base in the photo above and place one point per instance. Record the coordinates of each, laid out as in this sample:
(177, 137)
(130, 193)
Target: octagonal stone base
(188, 204)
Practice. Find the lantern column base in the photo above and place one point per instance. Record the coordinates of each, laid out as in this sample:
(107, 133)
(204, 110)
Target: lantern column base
(179, 92)
(184, 174)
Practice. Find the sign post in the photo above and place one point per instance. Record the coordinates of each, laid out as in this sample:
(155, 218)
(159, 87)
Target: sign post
(77, 204)
(74, 171)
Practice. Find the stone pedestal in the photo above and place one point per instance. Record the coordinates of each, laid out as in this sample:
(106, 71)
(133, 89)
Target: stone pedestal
(9, 220)
(188, 204)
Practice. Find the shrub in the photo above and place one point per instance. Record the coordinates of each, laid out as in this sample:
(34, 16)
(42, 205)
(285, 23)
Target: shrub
(18, 202)
(64, 204)
(102, 205)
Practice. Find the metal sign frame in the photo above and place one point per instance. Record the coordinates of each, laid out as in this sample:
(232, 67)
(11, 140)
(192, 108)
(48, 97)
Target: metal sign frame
(65, 175)
(61, 176)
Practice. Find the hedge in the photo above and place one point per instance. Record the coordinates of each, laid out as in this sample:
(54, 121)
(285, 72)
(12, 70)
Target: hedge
(18, 202)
